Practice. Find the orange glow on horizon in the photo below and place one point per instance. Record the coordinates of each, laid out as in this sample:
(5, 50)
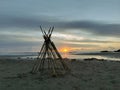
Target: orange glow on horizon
(64, 49)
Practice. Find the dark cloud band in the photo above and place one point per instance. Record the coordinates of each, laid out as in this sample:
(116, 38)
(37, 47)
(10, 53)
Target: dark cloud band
(32, 23)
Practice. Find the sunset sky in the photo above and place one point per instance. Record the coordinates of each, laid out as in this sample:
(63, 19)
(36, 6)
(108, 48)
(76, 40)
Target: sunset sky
(80, 25)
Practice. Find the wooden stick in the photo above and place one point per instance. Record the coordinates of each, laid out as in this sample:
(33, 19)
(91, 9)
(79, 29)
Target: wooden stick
(37, 61)
(60, 57)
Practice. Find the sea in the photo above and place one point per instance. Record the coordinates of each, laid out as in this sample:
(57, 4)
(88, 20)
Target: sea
(34, 55)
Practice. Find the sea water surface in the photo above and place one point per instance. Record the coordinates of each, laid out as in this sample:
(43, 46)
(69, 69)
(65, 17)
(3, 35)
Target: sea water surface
(33, 55)
(93, 56)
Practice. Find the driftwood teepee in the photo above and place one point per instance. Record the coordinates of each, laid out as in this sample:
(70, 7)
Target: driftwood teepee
(49, 59)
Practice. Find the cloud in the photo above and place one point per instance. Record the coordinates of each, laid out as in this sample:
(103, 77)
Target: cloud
(90, 41)
(21, 22)
(95, 28)
(32, 23)
(8, 41)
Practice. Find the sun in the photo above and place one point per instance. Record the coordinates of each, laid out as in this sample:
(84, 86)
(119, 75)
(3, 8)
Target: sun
(65, 50)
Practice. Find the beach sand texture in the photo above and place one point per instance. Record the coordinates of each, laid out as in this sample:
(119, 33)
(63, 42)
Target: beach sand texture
(84, 75)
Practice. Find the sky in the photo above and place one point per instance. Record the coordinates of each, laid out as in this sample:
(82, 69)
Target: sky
(80, 25)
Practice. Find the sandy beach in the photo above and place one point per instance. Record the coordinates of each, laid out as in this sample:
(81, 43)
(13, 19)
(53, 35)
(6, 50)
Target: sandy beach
(84, 75)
